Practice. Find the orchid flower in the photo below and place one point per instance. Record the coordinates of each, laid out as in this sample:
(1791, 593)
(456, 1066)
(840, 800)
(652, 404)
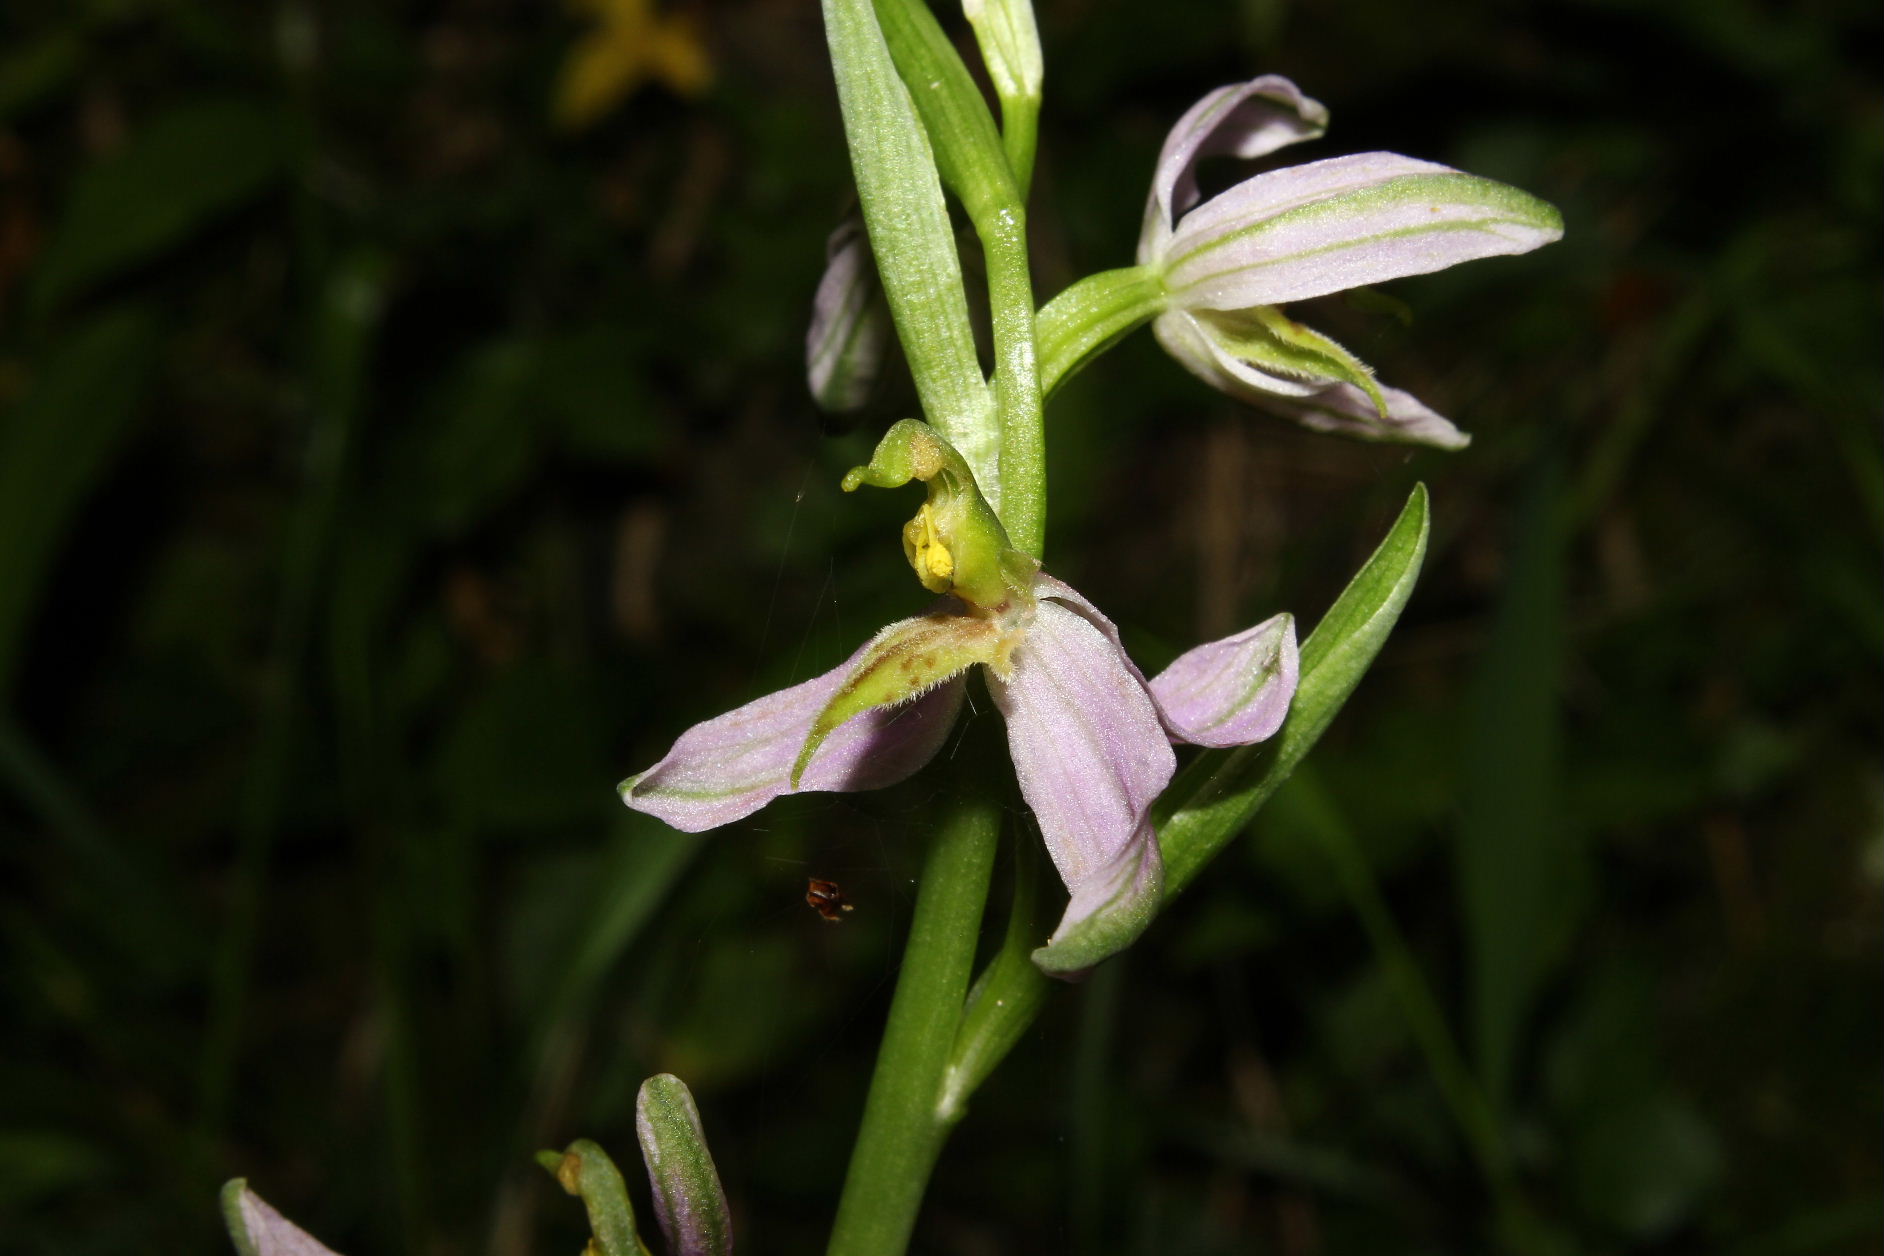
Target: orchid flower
(256, 1229)
(1090, 737)
(1308, 231)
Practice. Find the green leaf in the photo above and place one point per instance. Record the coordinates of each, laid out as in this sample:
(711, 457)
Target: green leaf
(584, 1170)
(1522, 874)
(180, 172)
(901, 197)
(968, 149)
(688, 1198)
(55, 445)
(1004, 1000)
(973, 163)
(1227, 788)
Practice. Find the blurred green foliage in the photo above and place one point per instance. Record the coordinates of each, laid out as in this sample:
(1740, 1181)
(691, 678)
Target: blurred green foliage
(384, 472)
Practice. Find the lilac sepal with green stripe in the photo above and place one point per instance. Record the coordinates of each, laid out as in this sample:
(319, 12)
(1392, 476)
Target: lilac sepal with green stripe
(1231, 692)
(730, 766)
(1245, 120)
(1320, 404)
(258, 1230)
(1091, 756)
(1327, 226)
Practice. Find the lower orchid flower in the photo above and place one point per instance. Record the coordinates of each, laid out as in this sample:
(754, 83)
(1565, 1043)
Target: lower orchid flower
(1090, 737)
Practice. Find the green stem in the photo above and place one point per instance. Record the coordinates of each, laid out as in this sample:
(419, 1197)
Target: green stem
(1020, 128)
(903, 1126)
(1007, 996)
(1092, 316)
(1016, 379)
(973, 162)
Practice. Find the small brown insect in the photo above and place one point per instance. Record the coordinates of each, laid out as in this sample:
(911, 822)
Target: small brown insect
(827, 899)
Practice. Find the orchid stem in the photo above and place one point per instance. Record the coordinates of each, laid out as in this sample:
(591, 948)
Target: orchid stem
(1016, 378)
(903, 1126)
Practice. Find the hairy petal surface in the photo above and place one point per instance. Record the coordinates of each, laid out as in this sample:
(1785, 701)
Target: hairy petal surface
(1321, 403)
(258, 1230)
(1189, 340)
(1091, 756)
(732, 765)
(905, 660)
(1242, 120)
(1309, 230)
(1231, 692)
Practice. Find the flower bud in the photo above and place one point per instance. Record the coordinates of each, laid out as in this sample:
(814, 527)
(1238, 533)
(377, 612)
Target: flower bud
(850, 335)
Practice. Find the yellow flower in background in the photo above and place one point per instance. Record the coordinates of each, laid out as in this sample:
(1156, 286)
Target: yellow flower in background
(628, 44)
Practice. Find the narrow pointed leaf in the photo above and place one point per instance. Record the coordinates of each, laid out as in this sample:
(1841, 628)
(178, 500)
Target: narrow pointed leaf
(182, 170)
(1005, 998)
(967, 147)
(258, 1230)
(1224, 789)
(56, 443)
(584, 1170)
(1309, 230)
(1523, 876)
(688, 1199)
(901, 196)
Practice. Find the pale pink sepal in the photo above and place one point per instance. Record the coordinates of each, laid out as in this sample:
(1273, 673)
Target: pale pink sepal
(1316, 402)
(1327, 226)
(1108, 910)
(1090, 753)
(1188, 340)
(1242, 120)
(730, 766)
(1345, 409)
(1231, 692)
(267, 1231)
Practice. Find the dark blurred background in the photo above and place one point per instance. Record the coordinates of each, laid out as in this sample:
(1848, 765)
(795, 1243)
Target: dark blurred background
(405, 436)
